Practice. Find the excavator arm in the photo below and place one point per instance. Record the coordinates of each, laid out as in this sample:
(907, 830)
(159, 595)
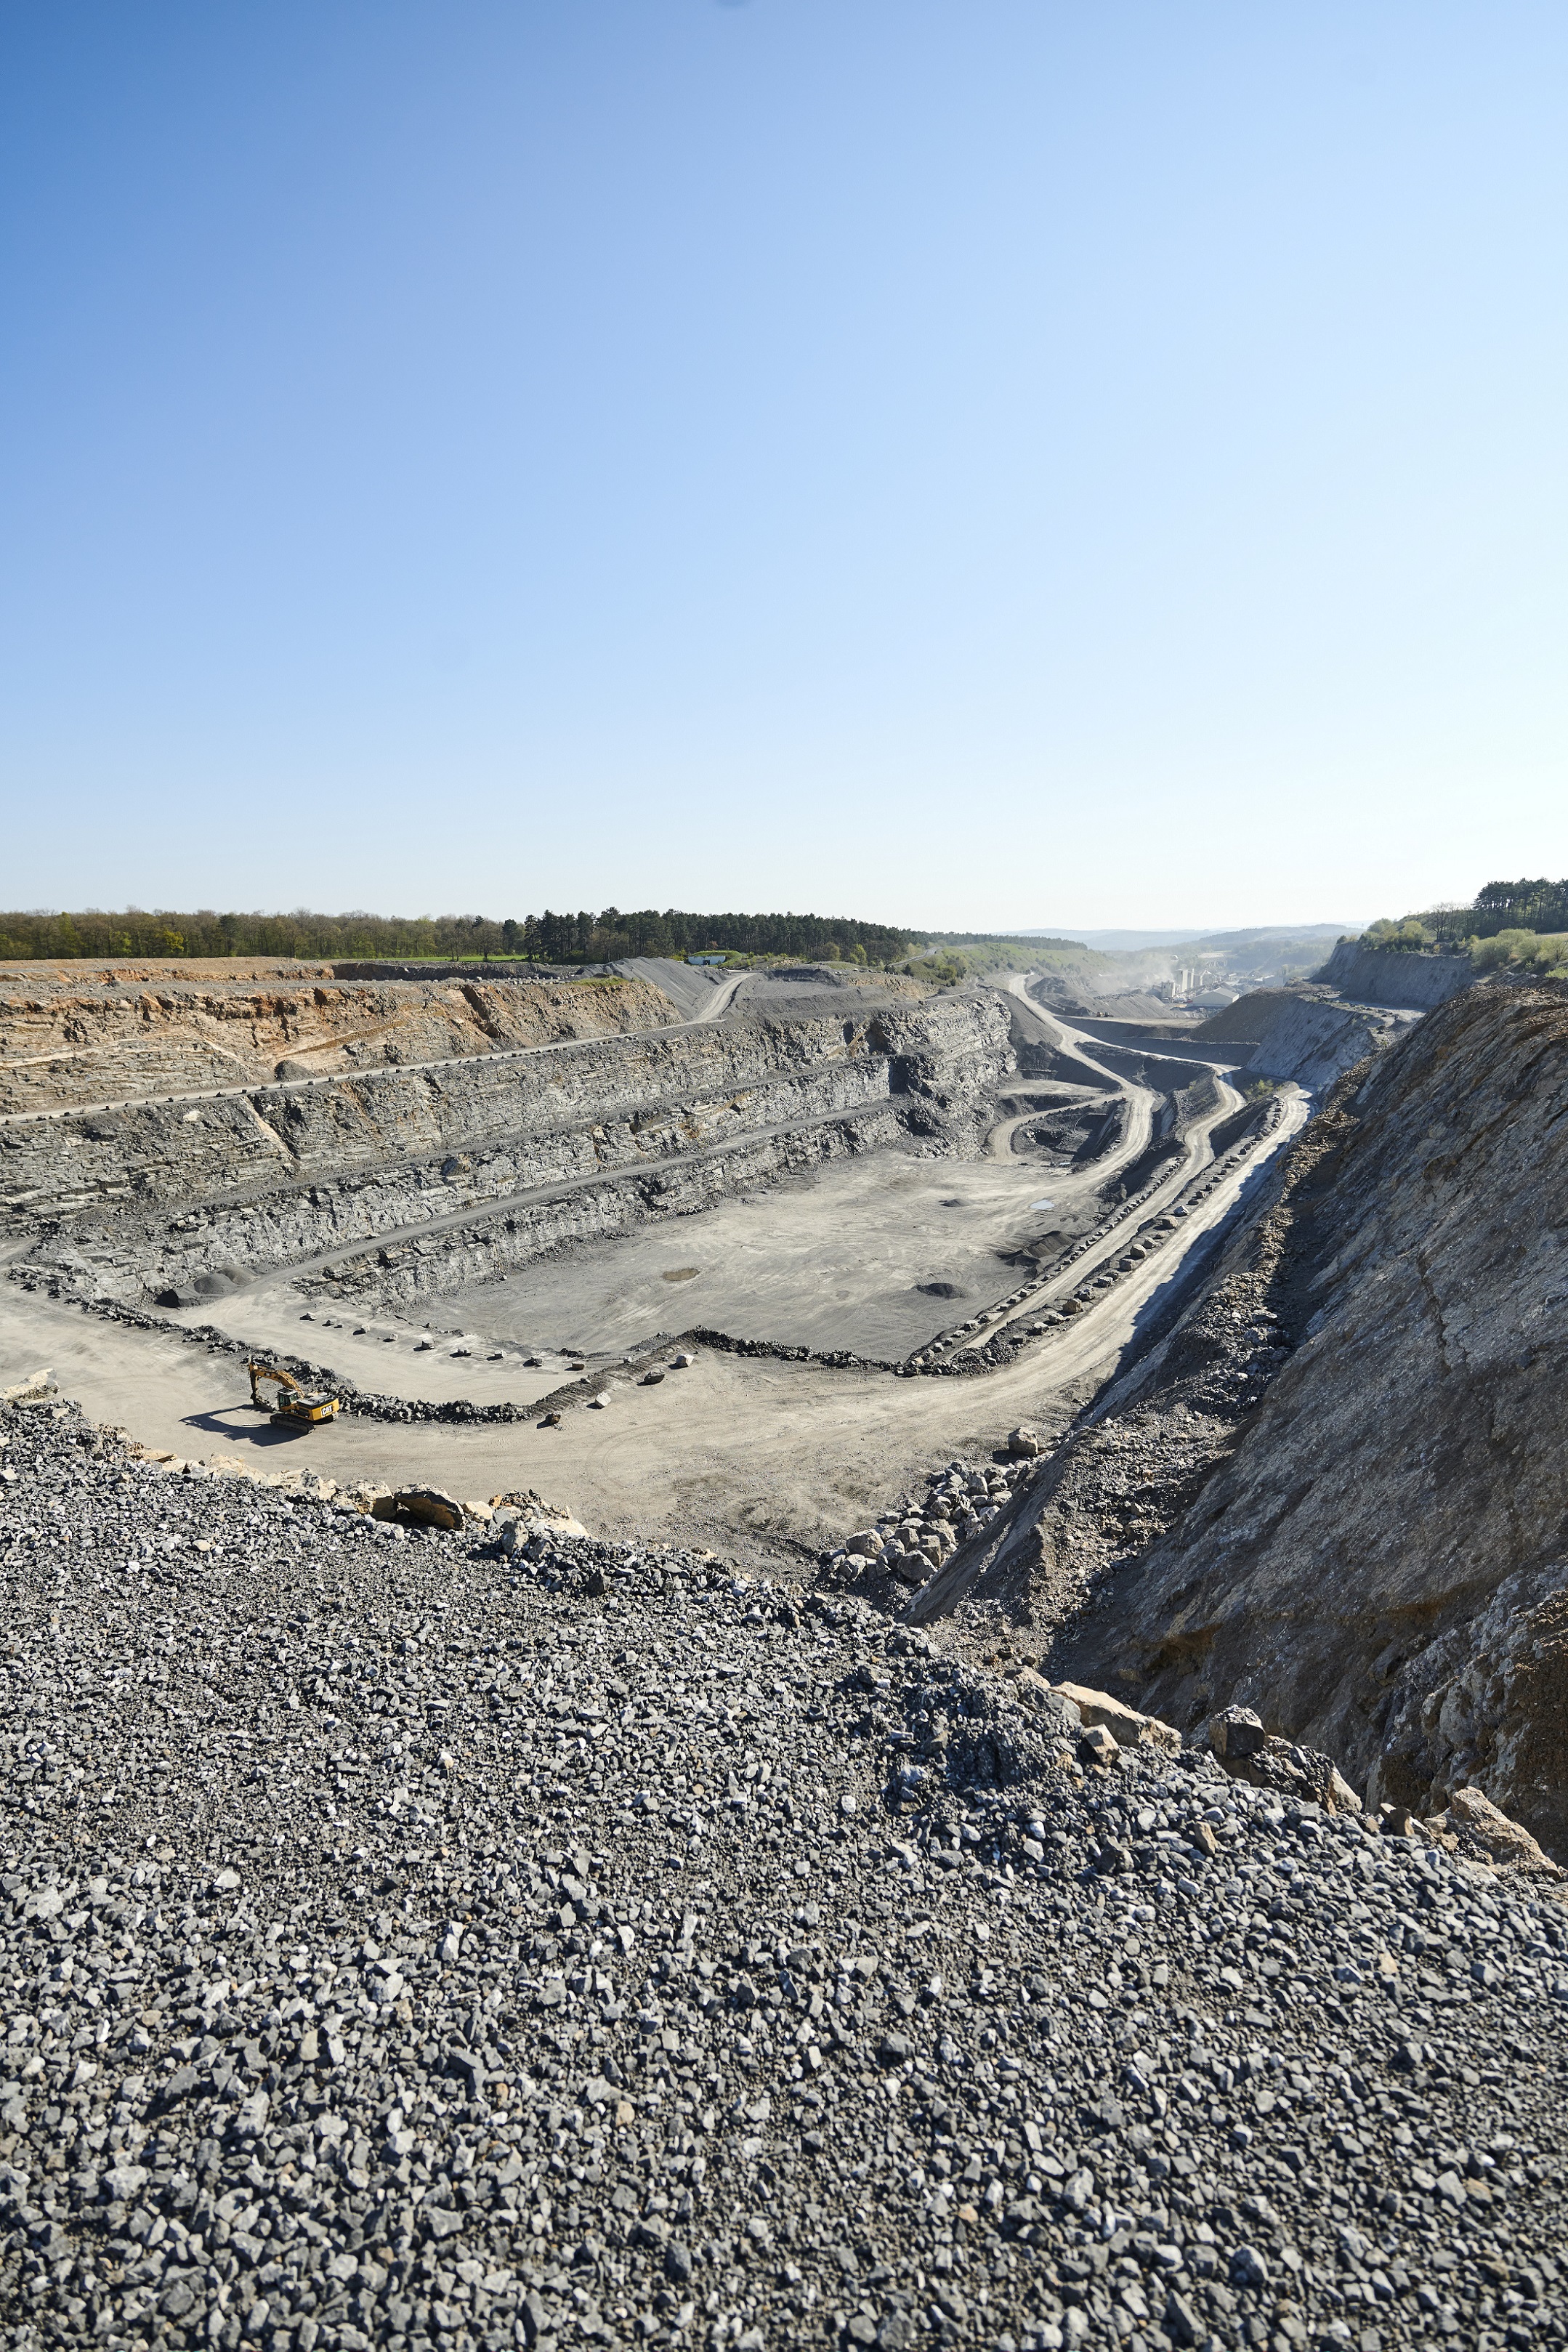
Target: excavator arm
(259, 1372)
(295, 1406)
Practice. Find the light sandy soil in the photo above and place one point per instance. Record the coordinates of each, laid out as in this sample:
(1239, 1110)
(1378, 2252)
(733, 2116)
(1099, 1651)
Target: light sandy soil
(833, 1259)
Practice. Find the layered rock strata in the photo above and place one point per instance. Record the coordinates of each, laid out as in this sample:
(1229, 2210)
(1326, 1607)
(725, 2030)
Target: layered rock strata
(68, 1040)
(189, 1200)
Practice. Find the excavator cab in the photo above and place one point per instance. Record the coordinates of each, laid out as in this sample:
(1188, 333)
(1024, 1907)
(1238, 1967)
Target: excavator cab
(294, 1406)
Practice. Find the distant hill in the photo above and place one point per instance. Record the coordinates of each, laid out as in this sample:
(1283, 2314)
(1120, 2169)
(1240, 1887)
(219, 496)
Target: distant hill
(1126, 943)
(998, 940)
(1280, 935)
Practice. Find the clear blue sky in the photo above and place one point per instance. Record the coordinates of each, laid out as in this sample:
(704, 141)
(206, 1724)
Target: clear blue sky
(976, 462)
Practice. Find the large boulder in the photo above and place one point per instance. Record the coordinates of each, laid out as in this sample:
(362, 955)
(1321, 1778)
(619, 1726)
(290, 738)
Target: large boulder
(1479, 1821)
(1305, 1775)
(418, 1506)
(1236, 1732)
(529, 1535)
(1099, 1711)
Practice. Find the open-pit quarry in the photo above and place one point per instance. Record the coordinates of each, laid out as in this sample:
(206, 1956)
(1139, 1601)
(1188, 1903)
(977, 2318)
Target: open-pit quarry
(917, 1700)
(888, 1224)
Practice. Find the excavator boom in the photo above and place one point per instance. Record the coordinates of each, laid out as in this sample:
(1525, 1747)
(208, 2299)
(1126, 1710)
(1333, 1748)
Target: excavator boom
(295, 1406)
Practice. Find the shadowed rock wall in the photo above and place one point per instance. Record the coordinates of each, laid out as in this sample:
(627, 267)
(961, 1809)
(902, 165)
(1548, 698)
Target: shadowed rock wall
(1381, 1567)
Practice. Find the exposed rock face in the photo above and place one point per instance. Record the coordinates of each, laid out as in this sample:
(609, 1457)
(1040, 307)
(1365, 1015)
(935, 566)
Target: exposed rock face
(1298, 1033)
(1381, 1567)
(1316, 1044)
(168, 1198)
(1384, 976)
(96, 1037)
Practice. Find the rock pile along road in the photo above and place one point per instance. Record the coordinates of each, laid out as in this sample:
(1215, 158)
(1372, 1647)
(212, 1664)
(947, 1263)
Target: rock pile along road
(406, 1946)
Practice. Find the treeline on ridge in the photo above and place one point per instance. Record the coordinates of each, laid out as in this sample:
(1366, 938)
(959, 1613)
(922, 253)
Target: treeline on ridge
(583, 937)
(1524, 906)
(1523, 922)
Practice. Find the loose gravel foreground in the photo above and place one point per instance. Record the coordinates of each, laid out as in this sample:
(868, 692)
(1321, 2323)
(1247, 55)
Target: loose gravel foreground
(405, 1944)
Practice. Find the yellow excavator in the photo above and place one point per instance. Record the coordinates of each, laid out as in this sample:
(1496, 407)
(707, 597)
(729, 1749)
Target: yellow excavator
(295, 1406)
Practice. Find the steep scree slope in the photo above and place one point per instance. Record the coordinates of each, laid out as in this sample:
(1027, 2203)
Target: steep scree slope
(1381, 1565)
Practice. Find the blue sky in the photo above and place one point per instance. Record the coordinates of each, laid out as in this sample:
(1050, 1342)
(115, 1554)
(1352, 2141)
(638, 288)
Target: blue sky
(970, 462)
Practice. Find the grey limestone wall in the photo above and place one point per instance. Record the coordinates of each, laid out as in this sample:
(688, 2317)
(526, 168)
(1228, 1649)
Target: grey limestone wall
(412, 1265)
(171, 1152)
(166, 1196)
(1313, 1042)
(293, 1221)
(1380, 976)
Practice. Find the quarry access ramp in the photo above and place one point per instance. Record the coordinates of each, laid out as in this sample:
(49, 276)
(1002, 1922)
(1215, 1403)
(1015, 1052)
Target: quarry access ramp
(1077, 1047)
(999, 1141)
(1089, 1261)
(697, 992)
(1141, 1101)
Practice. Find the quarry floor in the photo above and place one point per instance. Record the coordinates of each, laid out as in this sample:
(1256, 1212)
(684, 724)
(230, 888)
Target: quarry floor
(873, 1256)
(764, 1460)
(837, 1258)
(834, 1259)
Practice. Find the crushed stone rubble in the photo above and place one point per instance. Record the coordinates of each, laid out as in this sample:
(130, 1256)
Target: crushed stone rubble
(409, 1944)
(915, 1537)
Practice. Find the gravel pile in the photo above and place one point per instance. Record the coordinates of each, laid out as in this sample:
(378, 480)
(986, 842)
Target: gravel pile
(405, 1945)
